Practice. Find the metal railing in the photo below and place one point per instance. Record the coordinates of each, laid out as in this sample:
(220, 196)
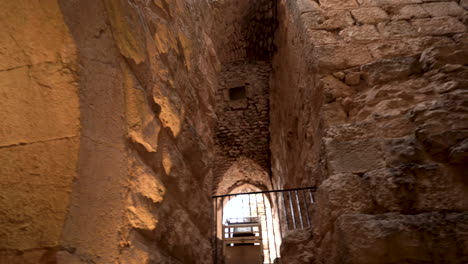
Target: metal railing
(278, 211)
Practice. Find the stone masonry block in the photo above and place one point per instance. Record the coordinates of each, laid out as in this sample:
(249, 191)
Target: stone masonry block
(440, 9)
(438, 26)
(339, 4)
(369, 15)
(407, 12)
(332, 57)
(362, 34)
(396, 29)
(464, 3)
(327, 20)
(356, 156)
(365, 3)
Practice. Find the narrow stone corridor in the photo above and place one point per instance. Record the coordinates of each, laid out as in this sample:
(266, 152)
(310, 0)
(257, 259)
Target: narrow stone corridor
(128, 126)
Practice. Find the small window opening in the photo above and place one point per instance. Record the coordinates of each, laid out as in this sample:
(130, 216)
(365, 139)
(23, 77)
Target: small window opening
(237, 93)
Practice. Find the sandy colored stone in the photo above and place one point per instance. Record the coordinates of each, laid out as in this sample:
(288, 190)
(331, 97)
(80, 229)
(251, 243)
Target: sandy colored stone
(322, 37)
(396, 29)
(387, 2)
(464, 4)
(333, 114)
(127, 30)
(36, 178)
(360, 34)
(338, 4)
(354, 156)
(390, 69)
(438, 26)
(409, 12)
(406, 47)
(327, 20)
(341, 56)
(440, 9)
(369, 238)
(369, 15)
(353, 78)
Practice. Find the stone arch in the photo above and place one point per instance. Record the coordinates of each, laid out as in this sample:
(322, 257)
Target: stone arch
(242, 171)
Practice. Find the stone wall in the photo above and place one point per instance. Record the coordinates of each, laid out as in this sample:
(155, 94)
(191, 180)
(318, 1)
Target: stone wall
(39, 131)
(244, 29)
(374, 106)
(242, 111)
(106, 141)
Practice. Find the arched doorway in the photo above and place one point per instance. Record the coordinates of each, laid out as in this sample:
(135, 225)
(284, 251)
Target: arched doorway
(247, 206)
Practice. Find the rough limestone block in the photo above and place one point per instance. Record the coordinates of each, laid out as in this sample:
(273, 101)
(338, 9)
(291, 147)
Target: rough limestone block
(464, 4)
(321, 37)
(365, 3)
(390, 69)
(334, 89)
(369, 15)
(338, 4)
(342, 193)
(440, 9)
(396, 29)
(305, 6)
(327, 20)
(406, 47)
(438, 26)
(354, 156)
(353, 78)
(397, 238)
(38, 103)
(360, 34)
(333, 57)
(36, 182)
(333, 114)
(407, 12)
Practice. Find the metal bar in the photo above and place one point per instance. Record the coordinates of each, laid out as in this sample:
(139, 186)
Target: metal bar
(273, 227)
(311, 198)
(285, 212)
(256, 205)
(307, 208)
(216, 230)
(266, 221)
(292, 210)
(279, 214)
(222, 214)
(272, 191)
(250, 207)
(299, 209)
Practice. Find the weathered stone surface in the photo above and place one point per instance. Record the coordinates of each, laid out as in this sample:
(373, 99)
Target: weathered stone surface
(395, 144)
(409, 12)
(387, 2)
(464, 4)
(353, 78)
(417, 238)
(396, 29)
(438, 26)
(361, 34)
(340, 194)
(338, 4)
(297, 246)
(327, 20)
(438, 56)
(369, 15)
(332, 57)
(334, 89)
(390, 69)
(354, 156)
(39, 134)
(406, 47)
(441, 9)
